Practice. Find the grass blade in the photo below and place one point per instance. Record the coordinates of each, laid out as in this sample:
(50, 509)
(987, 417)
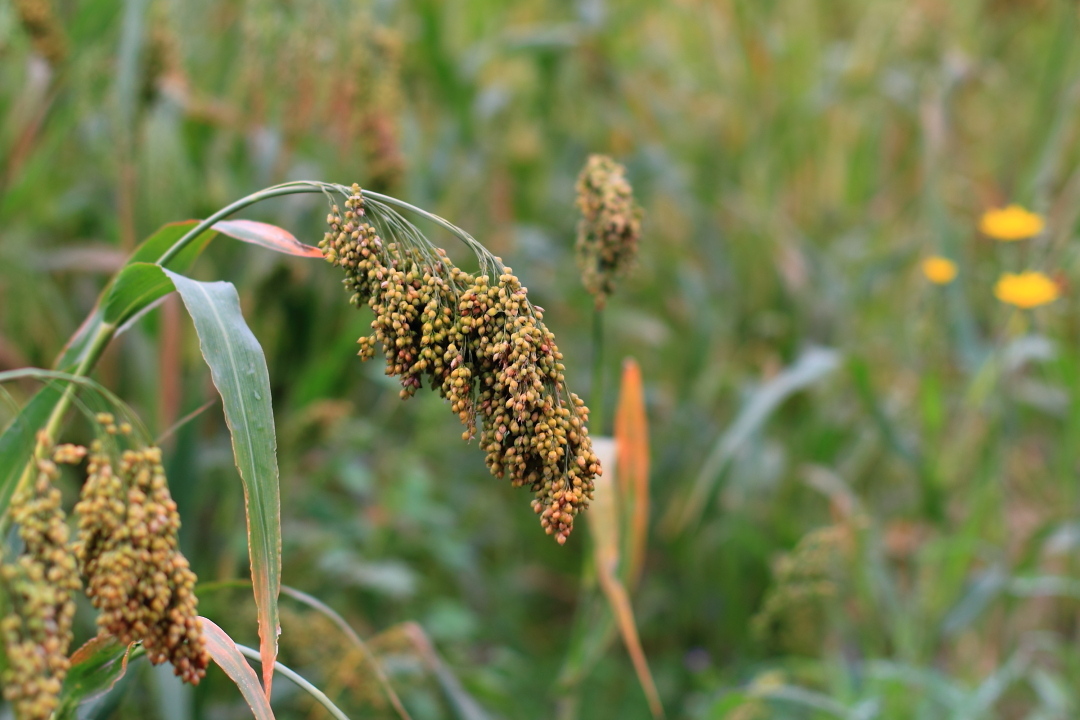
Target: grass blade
(164, 238)
(812, 365)
(465, 707)
(238, 369)
(135, 288)
(150, 250)
(227, 655)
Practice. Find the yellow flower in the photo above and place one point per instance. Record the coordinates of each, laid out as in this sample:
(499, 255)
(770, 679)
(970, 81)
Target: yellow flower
(1011, 223)
(939, 270)
(1026, 290)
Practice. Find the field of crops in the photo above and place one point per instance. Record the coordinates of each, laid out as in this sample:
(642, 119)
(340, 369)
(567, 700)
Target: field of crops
(839, 359)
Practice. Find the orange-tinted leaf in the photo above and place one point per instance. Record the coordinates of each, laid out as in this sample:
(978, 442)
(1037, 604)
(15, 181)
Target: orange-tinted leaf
(268, 236)
(223, 650)
(604, 524)
(632, 443)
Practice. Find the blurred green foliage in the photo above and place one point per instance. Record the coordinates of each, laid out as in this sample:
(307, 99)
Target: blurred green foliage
(892, 534)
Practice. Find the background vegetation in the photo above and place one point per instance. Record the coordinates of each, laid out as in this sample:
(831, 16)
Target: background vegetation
(865, 498)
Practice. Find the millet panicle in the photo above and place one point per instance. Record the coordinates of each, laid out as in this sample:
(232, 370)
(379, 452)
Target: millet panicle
(39, 585)
(483, 346)
(610, 226)
(128, 550)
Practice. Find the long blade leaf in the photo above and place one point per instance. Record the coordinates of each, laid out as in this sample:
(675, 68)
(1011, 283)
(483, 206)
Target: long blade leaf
(238, 369)
(604, 524)
(268, 236)
(464, 705)
(346, 629)
(814, 364)
(225, 653)
(303, 684)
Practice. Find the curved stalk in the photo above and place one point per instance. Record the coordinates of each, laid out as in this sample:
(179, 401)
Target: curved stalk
(290, 188)
(106, 331)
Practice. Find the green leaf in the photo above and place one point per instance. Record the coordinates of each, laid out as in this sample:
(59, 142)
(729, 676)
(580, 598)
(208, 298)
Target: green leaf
(18, 440)
(148, 252)
(76, 344)
(166, 236)
(238, 369)
(134, 289)
(225, 653)
(95, 669)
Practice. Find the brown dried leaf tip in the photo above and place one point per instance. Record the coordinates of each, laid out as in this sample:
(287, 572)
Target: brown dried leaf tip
(39, 587)
(608, 233)
(484, 347)
(128, 551)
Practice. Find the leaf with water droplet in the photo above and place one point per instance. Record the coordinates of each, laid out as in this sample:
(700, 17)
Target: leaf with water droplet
(230, 348)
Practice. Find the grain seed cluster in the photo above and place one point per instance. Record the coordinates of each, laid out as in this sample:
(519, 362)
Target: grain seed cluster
(479, 342)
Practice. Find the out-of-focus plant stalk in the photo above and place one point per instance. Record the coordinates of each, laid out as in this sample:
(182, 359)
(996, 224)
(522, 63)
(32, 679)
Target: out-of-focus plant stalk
(596, 402)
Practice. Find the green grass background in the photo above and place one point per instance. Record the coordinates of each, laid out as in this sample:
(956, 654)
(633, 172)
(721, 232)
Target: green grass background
(864, 486)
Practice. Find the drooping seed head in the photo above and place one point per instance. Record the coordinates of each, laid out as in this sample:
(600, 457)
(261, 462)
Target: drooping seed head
(39, 586)
(481, 344)
(610, 226)
(128, 550)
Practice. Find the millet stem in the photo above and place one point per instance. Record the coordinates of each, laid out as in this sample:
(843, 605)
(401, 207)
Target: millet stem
(596, 399)
(106, 331)
(294, 188)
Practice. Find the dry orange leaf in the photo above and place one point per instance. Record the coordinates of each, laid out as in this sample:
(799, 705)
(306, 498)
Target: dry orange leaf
(632, 448)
